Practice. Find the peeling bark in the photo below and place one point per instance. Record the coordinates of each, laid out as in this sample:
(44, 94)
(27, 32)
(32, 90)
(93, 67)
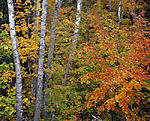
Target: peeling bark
(119, 12)
(16, 60)
(41, 62)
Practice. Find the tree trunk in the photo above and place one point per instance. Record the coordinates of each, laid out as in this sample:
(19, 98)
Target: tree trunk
(41, 61)
(119, 13)
(53, 30)
(74, 41)
(110, 9)
(37, 6)
(16, 60)
(99, 4)
(58, 4)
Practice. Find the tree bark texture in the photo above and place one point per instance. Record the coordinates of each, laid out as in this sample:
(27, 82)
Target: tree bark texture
(41, 61)
(119, 12)
(74, 41)
(110, 9)
(53, 30)
(99, 3)
(37, 6)
(16, 60)
(58, 4)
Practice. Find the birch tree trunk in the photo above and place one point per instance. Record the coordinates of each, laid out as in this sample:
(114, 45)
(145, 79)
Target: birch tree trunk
(37, 6)
(16, 60)
(110, 9)
(41, 61)
(99, 4)
(58, 4)
(119, 13)
(122, 14)
(53, 30)
(74, 41)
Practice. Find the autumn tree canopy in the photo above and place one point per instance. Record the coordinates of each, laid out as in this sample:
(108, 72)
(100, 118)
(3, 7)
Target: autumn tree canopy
(75, 60)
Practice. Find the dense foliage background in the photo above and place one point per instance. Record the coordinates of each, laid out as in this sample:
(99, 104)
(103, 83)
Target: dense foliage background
(109, 78)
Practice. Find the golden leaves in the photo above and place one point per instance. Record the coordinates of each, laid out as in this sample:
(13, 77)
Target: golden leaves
(85, 79)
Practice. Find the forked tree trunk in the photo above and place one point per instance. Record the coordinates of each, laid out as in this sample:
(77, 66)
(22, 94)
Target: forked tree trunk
(16, 60)
(41, 62)
(74, 41)
(58, 4)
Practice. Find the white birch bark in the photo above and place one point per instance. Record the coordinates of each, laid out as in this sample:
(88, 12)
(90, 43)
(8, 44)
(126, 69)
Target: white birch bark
(119, 12)
(16, 60)
(126, 117)
(99, 3)
(38, 9)
(41, 62)
(74, 41)
(37, 6)
(58, 4)
(110, 8)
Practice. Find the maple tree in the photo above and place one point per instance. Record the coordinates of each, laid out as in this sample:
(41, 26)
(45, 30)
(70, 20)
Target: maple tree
(104, 75)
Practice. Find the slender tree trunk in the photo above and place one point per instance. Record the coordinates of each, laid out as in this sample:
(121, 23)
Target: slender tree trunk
(126, 117)
(41, 61)
(122, 14)
(58, 4)
(119, 13)
(16, 60)
(99, 4)
(53, 30)
(110, 8)
(74, 41)
(88, 27)
(119, 22)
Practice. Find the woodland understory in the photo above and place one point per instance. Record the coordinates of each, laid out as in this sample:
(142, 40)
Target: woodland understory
(75, 60)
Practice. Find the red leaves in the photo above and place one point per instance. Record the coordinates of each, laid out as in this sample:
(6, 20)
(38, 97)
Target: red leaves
(118, 63)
